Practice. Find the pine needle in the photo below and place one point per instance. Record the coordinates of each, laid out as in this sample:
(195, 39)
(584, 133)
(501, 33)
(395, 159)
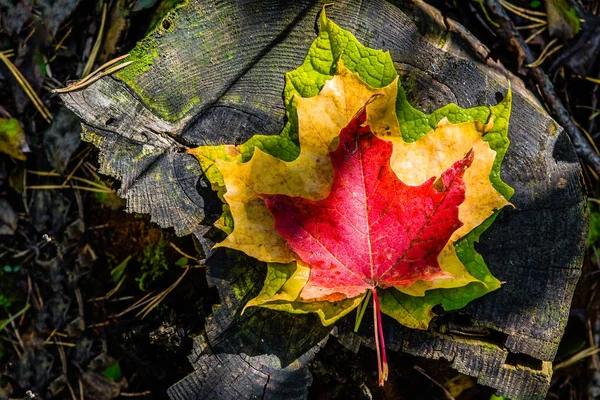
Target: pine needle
(532, 26)
(536, 34)
(11, 319)
(37, 102)
(523, 12)
(102, 67)
(94, 53)
(116, 288)
(595, 80)
(80, 85)
(546, 53)
(161, 296)
(583, 354)
(55, 187)
(60, 43)
(177, 249)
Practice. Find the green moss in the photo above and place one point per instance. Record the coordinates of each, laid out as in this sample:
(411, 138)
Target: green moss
(169, 116)
(154, 264)
(146, 53)
(143, 56)
(91, 137)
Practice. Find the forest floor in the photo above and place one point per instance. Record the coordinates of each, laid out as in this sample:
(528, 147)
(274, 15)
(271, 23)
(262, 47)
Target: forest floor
(91, 301)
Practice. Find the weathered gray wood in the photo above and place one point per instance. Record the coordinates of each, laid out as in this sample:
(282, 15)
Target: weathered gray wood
(144, 152)
(260, 354)
(217, 76)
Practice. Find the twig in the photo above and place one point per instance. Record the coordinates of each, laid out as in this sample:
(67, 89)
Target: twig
(436, 383)
(511, 35)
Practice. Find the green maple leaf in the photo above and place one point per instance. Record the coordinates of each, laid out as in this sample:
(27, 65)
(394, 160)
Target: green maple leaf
(376, 68)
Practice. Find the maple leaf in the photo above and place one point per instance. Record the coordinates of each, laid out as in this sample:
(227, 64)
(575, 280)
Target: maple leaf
(372, 230)
(320, 120)
(472, 128)
(285, 283)
(432, 154)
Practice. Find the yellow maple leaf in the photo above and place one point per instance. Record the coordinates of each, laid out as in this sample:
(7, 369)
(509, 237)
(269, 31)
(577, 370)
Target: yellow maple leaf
(431, 155)
(320, 120)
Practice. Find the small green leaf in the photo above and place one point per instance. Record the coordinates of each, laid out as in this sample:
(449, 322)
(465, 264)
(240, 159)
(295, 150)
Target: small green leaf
(12, 139)
(113, 372)
(117, 272)
(181, 262)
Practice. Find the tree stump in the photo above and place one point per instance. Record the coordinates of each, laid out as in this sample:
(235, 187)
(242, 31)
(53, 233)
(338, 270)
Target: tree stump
(212, 73)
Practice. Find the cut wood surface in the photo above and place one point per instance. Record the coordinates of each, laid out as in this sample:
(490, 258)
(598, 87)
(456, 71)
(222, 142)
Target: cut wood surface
(213, 72)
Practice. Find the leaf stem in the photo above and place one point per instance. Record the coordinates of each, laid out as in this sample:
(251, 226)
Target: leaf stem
(360, 311)
(382, 364)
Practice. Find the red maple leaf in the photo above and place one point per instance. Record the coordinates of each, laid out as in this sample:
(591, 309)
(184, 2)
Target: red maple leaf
(372, 230)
